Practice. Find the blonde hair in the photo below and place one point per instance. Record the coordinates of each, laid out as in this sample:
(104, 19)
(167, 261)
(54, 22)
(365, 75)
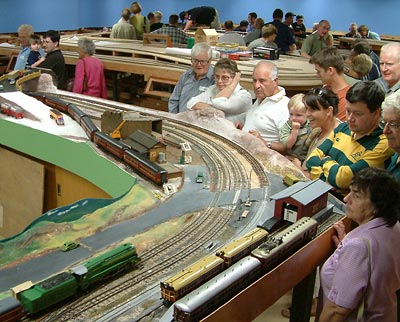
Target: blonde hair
(362, 64)
(296, 103)
(268, 30)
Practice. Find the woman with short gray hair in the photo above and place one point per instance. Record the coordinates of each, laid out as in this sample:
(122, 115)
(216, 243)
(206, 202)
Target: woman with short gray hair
(89, 71)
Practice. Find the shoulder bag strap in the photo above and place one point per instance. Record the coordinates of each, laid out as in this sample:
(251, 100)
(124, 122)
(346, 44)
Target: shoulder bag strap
(360, 311)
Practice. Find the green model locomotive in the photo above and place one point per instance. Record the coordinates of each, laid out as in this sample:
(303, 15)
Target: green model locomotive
(69, 283)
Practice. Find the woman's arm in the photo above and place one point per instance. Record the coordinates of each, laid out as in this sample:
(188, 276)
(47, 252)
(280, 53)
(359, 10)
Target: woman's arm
(333, 313)
(204, 97)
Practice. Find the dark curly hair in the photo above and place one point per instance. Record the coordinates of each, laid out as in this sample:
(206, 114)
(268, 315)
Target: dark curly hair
(384, 192)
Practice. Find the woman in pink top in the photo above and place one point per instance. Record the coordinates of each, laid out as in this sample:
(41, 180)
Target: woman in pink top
(89, 71)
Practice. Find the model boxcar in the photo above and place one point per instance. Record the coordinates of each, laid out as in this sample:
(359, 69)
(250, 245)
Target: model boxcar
(12, 110)
(191, 277)
(242, 246)
(10, 310)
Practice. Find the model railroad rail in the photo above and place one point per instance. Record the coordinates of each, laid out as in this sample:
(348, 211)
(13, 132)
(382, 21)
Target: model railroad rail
(158, 260)
(94, 108)
(134, 57)
(257, 167)
(154, 263)
(229, 173)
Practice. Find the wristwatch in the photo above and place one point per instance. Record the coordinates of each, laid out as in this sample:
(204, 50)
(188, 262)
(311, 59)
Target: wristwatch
(269, 145)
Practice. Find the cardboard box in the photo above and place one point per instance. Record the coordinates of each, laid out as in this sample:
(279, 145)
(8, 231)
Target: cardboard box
(209, 36)
(266, 53)
(227, 47)
(241, 55)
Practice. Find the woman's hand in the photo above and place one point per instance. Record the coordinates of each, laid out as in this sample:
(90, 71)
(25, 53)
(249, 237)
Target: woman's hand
(200, 106)
(255, 133)
(236, 79)
(341, 232)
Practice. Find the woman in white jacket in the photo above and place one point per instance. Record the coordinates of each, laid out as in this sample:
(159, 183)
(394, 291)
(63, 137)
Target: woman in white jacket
(226, 95)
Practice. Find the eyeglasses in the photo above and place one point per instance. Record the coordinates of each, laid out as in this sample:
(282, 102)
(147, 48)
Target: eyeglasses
(223, 78)
(391, 125)
(201, 62)
(388, 65)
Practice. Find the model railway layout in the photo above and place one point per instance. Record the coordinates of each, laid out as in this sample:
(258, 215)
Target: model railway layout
(197, 235)
(120, 150)
(56, 289)
(242, 272)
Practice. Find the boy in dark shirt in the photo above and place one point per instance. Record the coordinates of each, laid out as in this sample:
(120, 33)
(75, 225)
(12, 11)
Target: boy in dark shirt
(35, 57)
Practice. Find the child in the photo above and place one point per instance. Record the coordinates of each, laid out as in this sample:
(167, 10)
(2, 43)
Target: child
(35, 58)
(268, 33)
(294, 133)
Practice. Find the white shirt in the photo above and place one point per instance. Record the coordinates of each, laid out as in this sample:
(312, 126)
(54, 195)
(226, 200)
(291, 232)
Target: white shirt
(268, 116)
(239, 102)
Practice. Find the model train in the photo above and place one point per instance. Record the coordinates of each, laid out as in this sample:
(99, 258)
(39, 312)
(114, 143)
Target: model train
(209, 266)
(11, 310)
(67, 284)
(144, 166)
(12, 110)
(214, 293)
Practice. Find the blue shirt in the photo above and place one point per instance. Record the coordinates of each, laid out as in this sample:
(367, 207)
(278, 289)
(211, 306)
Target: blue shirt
(23, 55)
(187, 87)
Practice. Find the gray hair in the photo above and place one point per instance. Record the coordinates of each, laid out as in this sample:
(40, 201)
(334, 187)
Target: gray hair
(27, 28)
(392, 102)
(87, 45)
(393, 47)
(273, 69)
(199, 48)
(158, 15)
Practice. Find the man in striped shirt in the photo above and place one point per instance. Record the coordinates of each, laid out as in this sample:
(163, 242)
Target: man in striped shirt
(355, 144)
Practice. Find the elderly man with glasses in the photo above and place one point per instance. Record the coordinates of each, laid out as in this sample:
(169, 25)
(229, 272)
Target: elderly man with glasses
(390, 124)
(355, 144)
(195, 80)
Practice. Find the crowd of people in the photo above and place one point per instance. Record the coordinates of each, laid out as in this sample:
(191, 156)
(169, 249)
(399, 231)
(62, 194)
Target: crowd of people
(346, 135)
(345, 132)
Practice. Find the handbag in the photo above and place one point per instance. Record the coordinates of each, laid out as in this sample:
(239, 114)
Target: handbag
(360, 311)
(85, 80)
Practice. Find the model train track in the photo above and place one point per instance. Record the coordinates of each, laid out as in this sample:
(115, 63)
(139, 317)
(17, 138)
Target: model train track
(94, 108)
(154, 264)
(229, 174)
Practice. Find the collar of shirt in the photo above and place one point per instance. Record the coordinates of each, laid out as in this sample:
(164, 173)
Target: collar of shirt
(277, 97)
(394, 88)
(209, 75)
(374, 133)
